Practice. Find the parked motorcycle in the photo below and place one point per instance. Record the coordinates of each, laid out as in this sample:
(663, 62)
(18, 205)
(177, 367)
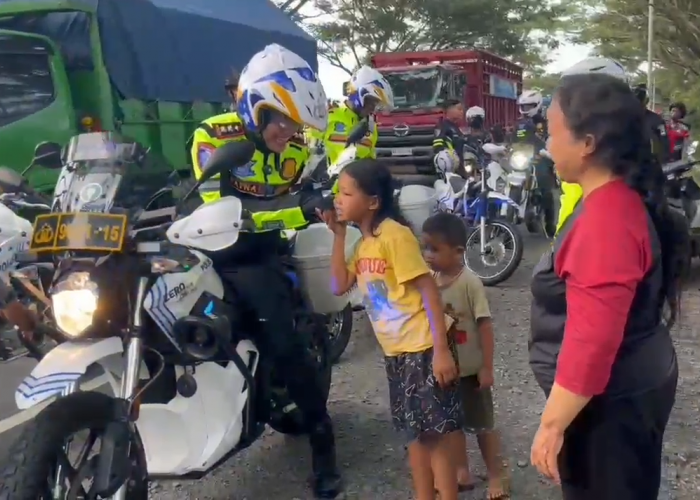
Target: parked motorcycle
(683, 192)
(500, 245)
(137, 293)
(18, 203)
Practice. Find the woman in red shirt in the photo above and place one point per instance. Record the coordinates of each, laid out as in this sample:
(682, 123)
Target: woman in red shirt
(600, 346)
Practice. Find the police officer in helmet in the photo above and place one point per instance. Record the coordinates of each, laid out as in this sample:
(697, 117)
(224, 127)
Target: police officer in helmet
(277, 95)
(367, 91)
(532, 129)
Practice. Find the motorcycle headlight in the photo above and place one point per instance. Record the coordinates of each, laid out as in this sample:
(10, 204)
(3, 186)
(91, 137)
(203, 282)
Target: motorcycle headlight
(74, 302)
(519, 161)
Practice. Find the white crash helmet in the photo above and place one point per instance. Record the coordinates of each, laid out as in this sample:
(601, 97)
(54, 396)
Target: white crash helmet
(276, 78)
(368, 82)
(601, 65)
(530, 102)
(446, 161)
(475, 111)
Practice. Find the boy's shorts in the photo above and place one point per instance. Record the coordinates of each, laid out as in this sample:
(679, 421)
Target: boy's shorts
(420, 408)
(477, 405)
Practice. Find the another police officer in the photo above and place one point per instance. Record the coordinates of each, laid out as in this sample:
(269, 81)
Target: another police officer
(278, 94)
(368, 90)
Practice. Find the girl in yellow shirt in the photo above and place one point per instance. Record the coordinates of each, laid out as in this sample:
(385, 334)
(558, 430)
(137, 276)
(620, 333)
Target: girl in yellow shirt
(403, 303)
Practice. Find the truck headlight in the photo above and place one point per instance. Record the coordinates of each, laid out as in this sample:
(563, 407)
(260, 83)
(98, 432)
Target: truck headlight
(520, 161)
(74, 302)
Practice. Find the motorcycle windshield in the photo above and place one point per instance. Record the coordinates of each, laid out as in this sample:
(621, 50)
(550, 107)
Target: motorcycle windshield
(99, 161)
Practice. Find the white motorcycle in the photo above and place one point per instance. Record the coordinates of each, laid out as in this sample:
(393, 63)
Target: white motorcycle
(30, 281)
(140, 296)
(513, 170)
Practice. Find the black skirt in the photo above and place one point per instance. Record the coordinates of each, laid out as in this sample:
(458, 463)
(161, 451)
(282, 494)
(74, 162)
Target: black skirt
(613, 449)
(420, 408)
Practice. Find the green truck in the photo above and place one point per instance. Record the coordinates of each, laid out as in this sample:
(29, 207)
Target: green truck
(150, 69)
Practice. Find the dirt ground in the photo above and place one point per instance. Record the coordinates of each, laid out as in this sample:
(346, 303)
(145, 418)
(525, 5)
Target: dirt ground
(373, 458)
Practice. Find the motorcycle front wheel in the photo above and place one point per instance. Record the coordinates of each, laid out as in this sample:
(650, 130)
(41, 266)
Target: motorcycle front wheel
(340, 329)
(285, 415)
(30, 470)
(503, 252)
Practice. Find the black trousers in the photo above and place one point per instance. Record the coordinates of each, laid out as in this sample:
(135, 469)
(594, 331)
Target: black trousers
(265, 292)
(613, 449)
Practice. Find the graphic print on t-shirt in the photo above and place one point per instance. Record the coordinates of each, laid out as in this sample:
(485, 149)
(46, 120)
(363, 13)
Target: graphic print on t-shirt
(460, 336)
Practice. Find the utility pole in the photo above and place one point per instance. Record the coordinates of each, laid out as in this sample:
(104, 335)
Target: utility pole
(650, 56)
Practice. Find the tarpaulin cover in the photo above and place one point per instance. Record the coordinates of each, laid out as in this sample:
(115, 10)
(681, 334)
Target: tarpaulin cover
(169, 50)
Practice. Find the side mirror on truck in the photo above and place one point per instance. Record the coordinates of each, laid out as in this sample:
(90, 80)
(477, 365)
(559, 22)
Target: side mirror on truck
(48, 155)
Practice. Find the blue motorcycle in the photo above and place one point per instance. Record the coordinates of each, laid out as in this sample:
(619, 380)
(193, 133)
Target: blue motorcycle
(494, 246)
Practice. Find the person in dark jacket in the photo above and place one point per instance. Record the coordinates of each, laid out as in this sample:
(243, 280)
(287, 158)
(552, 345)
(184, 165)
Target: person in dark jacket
(447, 134)
(600, 346)
(660, 145)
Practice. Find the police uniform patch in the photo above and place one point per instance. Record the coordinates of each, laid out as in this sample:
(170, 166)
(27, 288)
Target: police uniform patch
(289, 169)
(340, 128)
(204, 152)
(245, 170)
(227, 130)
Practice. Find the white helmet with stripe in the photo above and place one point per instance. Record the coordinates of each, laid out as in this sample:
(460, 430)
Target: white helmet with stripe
(278, 79)
(368, 82)
(601, 65)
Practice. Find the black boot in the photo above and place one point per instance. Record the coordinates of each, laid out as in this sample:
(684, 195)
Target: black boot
(327, 482)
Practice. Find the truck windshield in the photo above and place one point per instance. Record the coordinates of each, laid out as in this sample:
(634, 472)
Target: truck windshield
(413, 89)
(26, 85)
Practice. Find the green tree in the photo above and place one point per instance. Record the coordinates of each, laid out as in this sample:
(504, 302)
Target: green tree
(617, 28)
(544, 82)
(359, 28)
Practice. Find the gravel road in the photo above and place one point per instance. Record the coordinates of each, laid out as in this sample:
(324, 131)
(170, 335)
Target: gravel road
(373, 459)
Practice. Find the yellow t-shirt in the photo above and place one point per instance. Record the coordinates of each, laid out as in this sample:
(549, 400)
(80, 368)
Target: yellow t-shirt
(383, 265)
(465, 301)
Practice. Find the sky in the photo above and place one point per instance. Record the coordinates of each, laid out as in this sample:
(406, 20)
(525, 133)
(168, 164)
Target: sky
(332, 78)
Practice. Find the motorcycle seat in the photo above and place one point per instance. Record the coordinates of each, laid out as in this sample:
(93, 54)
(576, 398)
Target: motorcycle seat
(457, 183)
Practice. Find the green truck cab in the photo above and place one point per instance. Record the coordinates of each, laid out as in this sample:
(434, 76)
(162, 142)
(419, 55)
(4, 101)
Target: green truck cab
(149, 69)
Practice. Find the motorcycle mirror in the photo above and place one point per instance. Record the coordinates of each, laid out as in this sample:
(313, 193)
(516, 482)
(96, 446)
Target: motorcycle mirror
(48, 155)
(357, 133)
(229, 155)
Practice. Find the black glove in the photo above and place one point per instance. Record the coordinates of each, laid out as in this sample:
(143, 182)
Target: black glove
(312, 202)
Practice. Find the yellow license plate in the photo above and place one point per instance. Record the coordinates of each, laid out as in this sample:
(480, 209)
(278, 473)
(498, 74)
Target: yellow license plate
(79, 231)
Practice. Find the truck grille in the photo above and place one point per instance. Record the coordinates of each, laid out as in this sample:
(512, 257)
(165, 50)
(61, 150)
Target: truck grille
(418, 139)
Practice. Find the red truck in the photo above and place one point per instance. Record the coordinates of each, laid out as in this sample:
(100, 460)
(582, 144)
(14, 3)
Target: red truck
(420, 81)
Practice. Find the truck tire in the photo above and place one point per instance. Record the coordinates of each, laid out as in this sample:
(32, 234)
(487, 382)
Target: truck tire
(29, 463)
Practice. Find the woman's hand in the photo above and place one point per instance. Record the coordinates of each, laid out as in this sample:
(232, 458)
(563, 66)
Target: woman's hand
(330, 218)
(545, 451)
(444, 367)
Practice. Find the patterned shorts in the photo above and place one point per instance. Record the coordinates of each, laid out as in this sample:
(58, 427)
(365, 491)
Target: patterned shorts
(420, 408)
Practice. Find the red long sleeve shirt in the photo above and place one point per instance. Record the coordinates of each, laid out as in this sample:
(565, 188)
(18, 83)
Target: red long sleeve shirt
(602, 260)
